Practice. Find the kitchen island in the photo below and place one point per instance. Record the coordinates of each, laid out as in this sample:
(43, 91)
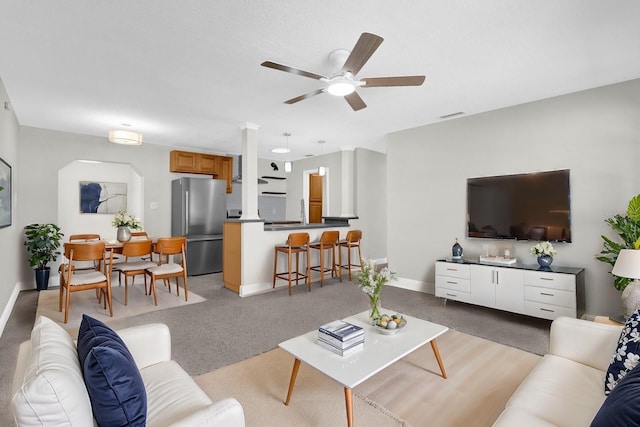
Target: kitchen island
(247, 266)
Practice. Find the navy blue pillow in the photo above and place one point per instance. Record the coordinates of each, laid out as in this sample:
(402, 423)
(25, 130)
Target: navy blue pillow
(93, 333)
(114, 383)
(115, 387)
(627, 353)
(622, 406)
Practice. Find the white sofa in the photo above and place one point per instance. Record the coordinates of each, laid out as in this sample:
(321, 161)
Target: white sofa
(48, 387)
(566, 388)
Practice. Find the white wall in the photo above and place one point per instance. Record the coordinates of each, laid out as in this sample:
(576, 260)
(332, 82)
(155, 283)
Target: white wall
(595, 134)
(370, 202)
(71, 221)
(44, 153)
(12, 250)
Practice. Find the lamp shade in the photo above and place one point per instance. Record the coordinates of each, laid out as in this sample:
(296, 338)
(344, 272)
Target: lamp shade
(627, 264)
(125, 137)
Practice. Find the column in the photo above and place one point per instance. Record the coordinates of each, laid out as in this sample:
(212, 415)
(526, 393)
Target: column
(348, 182)
(249, 171)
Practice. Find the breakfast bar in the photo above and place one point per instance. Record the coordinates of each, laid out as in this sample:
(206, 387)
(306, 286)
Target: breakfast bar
(248, 250)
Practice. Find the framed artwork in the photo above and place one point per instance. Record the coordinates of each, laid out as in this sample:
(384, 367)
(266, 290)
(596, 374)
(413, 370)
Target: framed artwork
(102, 197)
(5, 194)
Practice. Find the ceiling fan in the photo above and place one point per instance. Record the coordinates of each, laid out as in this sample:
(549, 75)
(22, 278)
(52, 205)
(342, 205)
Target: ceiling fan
(344, 83)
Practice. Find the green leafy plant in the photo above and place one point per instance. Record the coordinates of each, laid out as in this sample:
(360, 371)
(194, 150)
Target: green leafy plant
(43, 241)
(628, 229)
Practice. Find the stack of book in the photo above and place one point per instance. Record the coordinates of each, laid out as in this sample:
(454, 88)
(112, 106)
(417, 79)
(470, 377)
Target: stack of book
(341, 337)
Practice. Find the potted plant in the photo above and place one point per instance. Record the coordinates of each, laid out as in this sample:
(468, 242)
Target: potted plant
(43, 241)
(628, 228)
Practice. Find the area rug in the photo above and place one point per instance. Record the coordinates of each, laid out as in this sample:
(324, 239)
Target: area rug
(86, 302)
(482, 375)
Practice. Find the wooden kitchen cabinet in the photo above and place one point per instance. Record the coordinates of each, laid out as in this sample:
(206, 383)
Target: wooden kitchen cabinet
(209, 164)
(226, 171)
(183, 161)
(232, 255)
(220, 167)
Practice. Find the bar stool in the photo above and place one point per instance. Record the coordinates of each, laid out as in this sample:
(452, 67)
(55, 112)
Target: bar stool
(351, 241)
(297, 243)
(328, 241)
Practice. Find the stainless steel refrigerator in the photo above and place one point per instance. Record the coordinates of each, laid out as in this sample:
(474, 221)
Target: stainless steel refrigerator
(198, 211)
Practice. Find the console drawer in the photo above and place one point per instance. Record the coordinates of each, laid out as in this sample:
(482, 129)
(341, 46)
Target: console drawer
(547, 311)
(550, 296)
(451, 269)
(453, 294)
(453, 283)
(566, 282)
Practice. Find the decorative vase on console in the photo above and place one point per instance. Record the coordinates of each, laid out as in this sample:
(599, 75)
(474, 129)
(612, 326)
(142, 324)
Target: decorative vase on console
(545, 253)
(545, 260)
(456, 250)
(125, 223)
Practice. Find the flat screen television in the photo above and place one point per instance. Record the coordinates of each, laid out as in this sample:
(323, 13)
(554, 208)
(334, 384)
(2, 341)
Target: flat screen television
(532, 206)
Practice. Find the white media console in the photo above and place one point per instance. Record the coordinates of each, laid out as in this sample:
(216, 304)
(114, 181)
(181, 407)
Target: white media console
(518, 288)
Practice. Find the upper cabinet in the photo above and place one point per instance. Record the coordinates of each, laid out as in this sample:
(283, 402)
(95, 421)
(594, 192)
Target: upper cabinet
(220, 167)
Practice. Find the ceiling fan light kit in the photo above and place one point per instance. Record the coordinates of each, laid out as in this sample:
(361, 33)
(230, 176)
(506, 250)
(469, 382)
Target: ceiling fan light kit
(125, 137)
(344, 83)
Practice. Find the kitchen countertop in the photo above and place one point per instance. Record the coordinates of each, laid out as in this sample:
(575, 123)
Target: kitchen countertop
(300, 226)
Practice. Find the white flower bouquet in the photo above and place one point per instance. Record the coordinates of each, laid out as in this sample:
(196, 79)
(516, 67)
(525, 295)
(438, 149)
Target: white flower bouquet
(123, 219)
(543, 248)
(371, 282)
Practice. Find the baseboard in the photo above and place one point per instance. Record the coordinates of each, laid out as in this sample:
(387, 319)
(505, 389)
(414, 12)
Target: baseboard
(413, 285)
(8, 308)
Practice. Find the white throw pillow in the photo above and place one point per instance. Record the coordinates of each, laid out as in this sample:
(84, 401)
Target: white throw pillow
(53, 390)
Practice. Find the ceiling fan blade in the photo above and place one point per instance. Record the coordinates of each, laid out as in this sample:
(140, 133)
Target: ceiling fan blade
(355, 101)
(291, 70)
(305, 96)
(362, 51)
(393, 81)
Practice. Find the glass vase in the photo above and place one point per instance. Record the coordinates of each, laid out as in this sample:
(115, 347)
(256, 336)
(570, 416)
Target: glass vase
(374, 305)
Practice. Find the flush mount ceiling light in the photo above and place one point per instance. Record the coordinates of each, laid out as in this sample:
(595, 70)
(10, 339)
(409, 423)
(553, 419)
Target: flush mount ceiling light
(125, 137)
(342, 85)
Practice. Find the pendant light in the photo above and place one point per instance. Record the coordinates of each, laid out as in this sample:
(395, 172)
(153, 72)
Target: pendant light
(288, 166)
(322, 171)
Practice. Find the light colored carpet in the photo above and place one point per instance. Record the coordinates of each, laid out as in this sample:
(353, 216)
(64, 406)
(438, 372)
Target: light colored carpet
(86, 302)
(482, 375)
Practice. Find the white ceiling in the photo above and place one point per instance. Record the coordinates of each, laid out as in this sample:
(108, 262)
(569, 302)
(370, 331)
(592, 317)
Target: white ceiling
(187, 73)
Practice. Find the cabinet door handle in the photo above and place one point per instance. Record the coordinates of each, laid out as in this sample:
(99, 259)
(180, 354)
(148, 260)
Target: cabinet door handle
(546, 309)
(451, 295)
(546, 294)
(497, 278)
(452, 269)
(547, 278)
(493, 277)
(451, 283)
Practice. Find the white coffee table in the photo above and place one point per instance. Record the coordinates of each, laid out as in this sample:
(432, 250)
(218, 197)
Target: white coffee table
(379, 352)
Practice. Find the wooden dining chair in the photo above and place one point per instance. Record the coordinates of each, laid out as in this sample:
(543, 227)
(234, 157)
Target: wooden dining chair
(139, 235)
(134, 252)
(73, 280)
(169, 247)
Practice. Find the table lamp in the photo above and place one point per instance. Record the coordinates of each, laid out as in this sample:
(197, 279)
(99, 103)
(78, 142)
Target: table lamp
(628, 265)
